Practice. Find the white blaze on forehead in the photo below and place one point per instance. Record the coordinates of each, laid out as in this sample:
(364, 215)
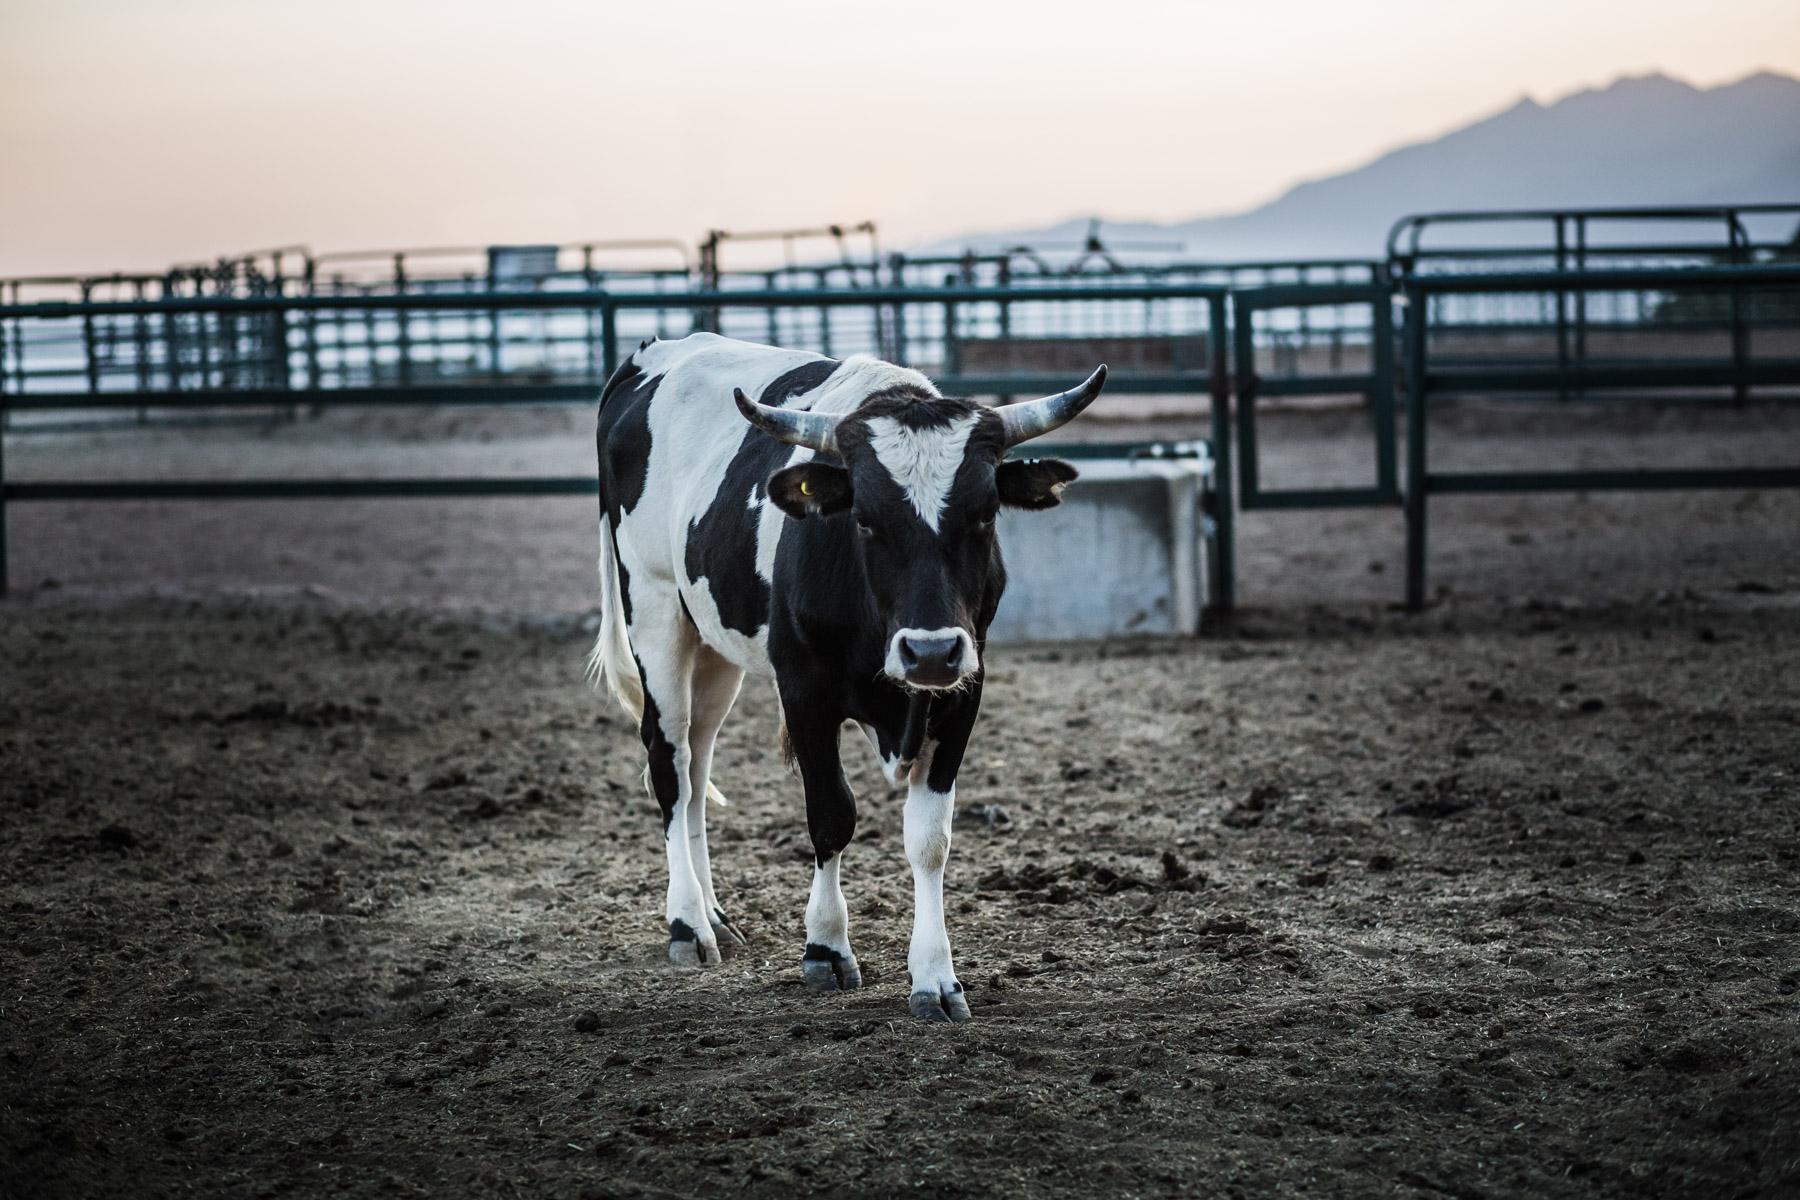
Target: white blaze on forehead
(922, 461)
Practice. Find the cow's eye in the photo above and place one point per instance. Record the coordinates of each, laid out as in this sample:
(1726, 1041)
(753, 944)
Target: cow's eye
(983, 524)
(864, 528)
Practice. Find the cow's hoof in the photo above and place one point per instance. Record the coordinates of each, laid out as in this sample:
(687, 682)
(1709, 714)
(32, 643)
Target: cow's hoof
(687, 950)
(939, 1006)
(827, 970)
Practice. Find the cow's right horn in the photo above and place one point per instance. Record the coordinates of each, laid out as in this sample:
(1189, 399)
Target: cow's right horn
(795, 426)
(1029, 418)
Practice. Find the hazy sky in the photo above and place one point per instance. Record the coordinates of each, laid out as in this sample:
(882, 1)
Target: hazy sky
(136, 133)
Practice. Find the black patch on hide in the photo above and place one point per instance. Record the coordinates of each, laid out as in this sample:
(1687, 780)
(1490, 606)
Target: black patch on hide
(721, 545)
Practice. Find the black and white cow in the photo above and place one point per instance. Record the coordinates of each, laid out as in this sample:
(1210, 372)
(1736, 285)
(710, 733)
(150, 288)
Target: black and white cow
(834, 534)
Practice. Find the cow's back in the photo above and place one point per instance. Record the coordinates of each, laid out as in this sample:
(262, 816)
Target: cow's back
(682, 478)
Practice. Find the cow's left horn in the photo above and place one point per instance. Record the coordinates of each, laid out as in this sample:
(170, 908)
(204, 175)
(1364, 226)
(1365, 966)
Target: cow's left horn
(795, 426)
(1029, 418)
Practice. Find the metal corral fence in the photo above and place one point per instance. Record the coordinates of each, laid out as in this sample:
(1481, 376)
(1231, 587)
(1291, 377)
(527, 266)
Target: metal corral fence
(312, 335)
(1719, 333)
(522, 347)
(1688, 319)
(1587, 238)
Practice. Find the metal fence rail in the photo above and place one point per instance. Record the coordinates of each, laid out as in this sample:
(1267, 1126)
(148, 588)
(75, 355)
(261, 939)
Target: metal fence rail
(481, 346)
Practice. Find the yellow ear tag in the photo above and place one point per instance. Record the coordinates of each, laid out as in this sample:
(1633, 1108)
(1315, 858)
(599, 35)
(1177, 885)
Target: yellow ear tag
(805, 488)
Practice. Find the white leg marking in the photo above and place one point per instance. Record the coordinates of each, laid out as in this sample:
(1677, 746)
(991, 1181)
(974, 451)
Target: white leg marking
(936, 994)
(828, 963)
(667, 644)
(714, 690)
(686, 901)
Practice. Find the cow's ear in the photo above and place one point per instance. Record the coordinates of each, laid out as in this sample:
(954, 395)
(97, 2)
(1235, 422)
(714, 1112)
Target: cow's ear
(810, 488)
(1035, 483)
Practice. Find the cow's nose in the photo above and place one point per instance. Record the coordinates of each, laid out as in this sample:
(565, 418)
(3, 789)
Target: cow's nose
(931, 660)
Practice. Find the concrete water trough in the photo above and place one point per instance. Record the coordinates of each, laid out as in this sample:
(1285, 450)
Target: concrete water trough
(1125, 553)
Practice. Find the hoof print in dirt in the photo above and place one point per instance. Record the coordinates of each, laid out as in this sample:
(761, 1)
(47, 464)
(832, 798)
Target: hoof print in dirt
(939, 1006)
(686, 949)
(827, 970)
(992, 816)
(1249, 812)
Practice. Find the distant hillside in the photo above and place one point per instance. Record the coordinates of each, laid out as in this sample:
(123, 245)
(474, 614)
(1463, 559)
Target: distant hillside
(1644, 141)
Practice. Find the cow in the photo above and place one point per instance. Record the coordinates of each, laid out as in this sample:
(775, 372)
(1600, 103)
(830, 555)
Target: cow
(827, 525)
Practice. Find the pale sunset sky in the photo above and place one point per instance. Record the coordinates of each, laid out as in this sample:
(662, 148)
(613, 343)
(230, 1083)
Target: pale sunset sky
(138, 133)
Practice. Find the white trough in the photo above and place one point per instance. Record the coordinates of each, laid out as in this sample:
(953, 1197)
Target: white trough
(1125, 553)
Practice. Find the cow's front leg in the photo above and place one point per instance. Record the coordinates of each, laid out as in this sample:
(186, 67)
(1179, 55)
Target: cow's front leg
(936, 993)
(930, 806)
(828, 963)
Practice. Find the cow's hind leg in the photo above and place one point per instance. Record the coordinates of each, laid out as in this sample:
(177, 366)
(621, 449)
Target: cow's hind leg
(714, 690)
(667, 645)
(828, 964)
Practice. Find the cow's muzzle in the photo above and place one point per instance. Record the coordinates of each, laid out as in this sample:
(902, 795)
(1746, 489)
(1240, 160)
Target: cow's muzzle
(932, 658)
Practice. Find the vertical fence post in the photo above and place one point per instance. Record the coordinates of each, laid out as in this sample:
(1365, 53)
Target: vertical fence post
(370, 335)
(312, 331)
(1243, 336)
(901, 353)
(493, 321)
(403, 325)
(5, 405)
(769, 313)
(1218, 371)
(952, 356)
(609, 337)
(587, 282)
(87, 340)
(171, 345)
(1562, 314)
(282, 377)
(18, 339)
(1740, 336)
(1581, 298)
(140, 339)
(1416, 302)
(1381, 353)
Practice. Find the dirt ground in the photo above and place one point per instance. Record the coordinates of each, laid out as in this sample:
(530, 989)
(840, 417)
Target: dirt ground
(1496, 902)
(357, 892)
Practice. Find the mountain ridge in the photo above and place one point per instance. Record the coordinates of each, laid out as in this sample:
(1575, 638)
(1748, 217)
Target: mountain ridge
(1643, 140)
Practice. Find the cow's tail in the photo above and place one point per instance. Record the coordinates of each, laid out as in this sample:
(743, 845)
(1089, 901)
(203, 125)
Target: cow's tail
(611, 664)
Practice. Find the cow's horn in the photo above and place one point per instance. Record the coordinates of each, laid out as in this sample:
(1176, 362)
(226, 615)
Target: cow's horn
(795, 426)
(1029, 418)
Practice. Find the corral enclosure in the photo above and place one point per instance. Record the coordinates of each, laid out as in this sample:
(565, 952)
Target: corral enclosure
(324, 872)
